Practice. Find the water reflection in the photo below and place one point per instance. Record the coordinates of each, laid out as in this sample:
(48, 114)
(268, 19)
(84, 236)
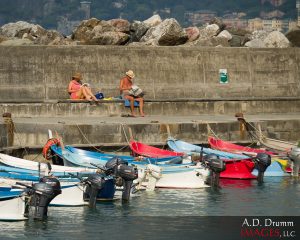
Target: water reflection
(275, 197)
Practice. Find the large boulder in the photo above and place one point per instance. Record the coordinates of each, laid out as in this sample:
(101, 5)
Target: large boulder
(225, 34)
(3, 38)
(49, 37)
(109, 38)
(138, 30)
(153, 21)
(218, 22)
(167, 33)
(18, 29)
(16, 42)
(34, 33)
(96, 32)
(294, 36)
(276, 39)
(193, 33)
(259, 34)
(215, 41)
(255, 43)
(209, 31)
(121, 25)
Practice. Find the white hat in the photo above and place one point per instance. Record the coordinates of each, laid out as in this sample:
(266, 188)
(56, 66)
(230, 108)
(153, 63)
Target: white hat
(130, 73)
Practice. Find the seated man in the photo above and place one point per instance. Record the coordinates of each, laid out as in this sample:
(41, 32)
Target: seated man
(125, 87)
(78, 91)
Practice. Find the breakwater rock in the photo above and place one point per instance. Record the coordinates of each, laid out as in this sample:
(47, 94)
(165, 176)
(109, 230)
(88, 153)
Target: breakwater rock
(151, 32)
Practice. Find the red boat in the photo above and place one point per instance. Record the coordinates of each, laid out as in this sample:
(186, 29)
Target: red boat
(153, 152)
(238, 169)
(235, 169)
(234, 148)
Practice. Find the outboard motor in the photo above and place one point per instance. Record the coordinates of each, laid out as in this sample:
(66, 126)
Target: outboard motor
(262, 162)
(294, 155)
(94, 183)
(119, 168)
(41, 194)
(216, 166)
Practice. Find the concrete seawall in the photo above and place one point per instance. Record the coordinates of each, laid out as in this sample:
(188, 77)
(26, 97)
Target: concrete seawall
(182, 85)
(43, 72)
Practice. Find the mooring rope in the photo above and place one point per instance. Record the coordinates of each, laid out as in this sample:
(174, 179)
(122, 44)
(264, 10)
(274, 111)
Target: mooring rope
(97, 149)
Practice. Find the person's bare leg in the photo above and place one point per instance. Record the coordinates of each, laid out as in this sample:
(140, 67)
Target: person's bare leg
(89, 92)
(131, 99)
(87, 95)
(141, 101)
(80, 94)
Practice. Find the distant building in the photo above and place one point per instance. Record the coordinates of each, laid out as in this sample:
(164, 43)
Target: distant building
(255, 24)
(199, 17)
(298, 8)
(86, 8)
(236, 23)
(270, 24)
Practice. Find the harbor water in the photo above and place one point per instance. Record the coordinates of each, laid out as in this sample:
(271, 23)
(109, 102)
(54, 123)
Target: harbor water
(164, 211)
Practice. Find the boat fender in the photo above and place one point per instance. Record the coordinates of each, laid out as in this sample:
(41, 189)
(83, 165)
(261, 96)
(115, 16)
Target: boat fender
(154, 170)
(47, 147)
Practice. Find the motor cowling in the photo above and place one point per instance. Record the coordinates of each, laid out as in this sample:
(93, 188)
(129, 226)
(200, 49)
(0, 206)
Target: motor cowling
(119, 168)
(42, 194)
(128, 173)
(215, 166)
(294, 155)
(112, 164)
(262, 162)
(93, 184)
(214, 163)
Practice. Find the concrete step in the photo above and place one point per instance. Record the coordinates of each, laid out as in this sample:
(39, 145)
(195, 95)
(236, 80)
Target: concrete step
(88, 130)
(176, 107)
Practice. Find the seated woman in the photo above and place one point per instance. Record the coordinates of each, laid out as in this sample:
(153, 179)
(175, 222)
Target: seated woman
(78, 91)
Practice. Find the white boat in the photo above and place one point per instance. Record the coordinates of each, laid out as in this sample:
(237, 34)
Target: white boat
(173, 176)
(31, 165)
(12, 208)
(183, 178)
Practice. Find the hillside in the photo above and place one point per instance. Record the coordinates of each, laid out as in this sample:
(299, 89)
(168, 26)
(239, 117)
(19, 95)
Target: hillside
(47, 12)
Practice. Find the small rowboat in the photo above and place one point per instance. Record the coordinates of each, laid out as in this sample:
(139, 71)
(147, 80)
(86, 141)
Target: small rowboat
(153, 152)
(188, 148)
(238, 168)
(234, 148)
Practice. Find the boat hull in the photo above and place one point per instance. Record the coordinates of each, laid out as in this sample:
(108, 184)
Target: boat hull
(12, 209)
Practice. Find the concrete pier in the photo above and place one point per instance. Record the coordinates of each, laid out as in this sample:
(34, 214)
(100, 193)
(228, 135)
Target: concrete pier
(183, 92)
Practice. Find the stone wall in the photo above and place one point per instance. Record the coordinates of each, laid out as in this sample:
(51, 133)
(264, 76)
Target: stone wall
(39, 73)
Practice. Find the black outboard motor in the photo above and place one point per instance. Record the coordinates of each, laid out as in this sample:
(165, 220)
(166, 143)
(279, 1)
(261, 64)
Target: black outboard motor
(216, 166)
(294, 155)
(41, 194)
(94, 183)
(119, 168)
(262, 162)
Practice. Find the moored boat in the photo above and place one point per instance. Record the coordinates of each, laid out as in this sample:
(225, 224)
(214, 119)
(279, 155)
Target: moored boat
(153, 152)
(238, 168)
(235, 148)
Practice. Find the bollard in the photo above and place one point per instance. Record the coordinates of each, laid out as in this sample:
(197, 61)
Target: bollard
(10, 129)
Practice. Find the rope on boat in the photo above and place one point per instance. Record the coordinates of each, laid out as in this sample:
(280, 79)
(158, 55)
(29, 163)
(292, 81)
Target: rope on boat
(97, 149)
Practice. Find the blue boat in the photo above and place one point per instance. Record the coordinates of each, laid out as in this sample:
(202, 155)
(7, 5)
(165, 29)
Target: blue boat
(106, 156)
(86, 158)
(274, 170)
(188, 148)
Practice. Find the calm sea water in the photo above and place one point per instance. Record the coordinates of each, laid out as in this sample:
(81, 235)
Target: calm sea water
(152, 213)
